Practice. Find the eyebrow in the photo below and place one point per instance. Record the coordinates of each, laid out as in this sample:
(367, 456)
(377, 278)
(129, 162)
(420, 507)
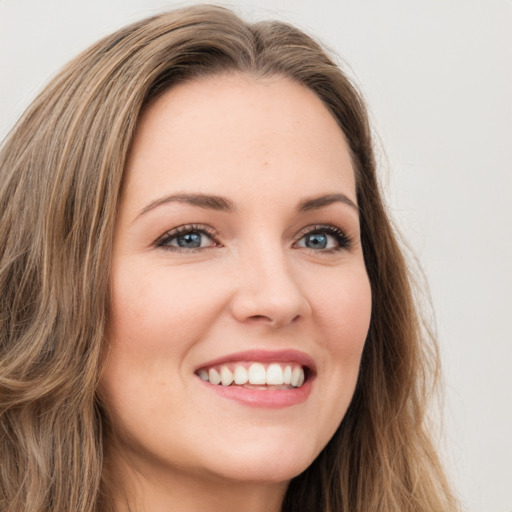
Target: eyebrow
(313, 203)
(219, 203)
(206, 201)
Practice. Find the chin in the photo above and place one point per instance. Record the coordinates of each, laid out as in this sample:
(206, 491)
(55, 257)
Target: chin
(268, 460)
(270, 470)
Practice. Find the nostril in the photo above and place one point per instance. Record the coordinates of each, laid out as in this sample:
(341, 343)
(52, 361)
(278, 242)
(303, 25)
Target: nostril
(261, 317)
(272, 321)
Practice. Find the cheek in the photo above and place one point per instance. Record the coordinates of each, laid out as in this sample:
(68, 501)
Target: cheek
(156, 318)
(165, 311)
(343, 317)
(344, 311)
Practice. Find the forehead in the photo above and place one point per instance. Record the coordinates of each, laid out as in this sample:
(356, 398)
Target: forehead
(234, 133)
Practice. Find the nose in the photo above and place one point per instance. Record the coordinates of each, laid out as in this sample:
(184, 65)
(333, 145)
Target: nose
(268, 291)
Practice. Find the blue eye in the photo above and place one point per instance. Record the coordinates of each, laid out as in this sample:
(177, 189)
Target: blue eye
(186, 238)
(189, 240)
(316, 241)
(324, 238)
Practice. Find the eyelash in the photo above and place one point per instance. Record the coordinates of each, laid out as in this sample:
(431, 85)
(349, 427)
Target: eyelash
(183, 230)
(344, 241)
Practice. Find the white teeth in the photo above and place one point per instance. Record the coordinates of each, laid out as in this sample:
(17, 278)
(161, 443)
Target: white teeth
(213, 376)
(275, 374)
(301, 378)
(241, 375)
(297, 371)
(257, 374)
(226, 376)
(287, 375)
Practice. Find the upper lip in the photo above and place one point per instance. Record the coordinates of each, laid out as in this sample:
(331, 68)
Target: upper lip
(265, 356)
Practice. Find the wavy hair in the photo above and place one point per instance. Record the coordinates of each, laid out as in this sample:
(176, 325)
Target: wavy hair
(61, 171)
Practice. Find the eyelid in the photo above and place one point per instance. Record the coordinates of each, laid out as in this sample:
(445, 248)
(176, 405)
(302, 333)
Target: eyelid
(181, 230)
(345, 241)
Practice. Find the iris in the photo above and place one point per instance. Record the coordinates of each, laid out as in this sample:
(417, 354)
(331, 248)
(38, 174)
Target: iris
(316, 241)
(189, 240)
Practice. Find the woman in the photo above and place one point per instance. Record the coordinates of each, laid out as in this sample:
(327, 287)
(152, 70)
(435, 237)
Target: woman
(204, 304)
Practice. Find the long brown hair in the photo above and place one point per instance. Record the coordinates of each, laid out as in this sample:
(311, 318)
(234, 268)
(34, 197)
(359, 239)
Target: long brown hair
(60, 174)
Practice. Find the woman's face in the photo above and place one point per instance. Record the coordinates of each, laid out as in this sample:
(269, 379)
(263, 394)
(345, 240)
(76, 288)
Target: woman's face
(237, 256)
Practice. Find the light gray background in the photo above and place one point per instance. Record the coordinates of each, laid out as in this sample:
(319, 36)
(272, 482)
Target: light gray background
(437, 75)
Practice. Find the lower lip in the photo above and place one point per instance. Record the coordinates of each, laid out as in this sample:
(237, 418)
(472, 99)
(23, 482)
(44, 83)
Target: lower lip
(270, 399)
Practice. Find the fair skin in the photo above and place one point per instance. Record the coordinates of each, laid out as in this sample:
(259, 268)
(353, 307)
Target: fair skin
(237, 242)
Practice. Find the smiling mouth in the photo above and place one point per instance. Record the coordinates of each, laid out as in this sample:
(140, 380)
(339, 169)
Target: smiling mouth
(255, 375)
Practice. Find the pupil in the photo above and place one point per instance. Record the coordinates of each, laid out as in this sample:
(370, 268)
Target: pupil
(190, 240)
(317, 241)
